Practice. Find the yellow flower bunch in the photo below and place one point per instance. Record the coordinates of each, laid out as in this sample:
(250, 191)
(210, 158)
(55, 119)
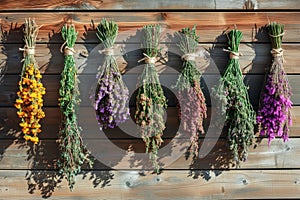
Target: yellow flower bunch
(30, 102)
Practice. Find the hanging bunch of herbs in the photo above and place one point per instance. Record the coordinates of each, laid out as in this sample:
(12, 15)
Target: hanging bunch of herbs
(274, 115)
(150, 99)
(111, 96)
(190, 95)
(29, 100)
(233, 95)
(73, 154)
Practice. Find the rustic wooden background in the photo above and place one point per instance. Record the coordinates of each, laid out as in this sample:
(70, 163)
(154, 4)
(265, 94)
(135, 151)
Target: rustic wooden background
(28, 172)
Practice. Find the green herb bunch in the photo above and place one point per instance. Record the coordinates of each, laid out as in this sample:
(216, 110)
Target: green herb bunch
(150, 99)
(193, 107)
(73, 154)
(233, 94)
(111, 96)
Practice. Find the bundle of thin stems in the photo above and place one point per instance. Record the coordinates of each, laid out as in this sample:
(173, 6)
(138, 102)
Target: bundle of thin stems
(73, 153)
(111, 96)
(274, 115)
(236, 106)
(29, 100)
(191, 99)
(150, 99)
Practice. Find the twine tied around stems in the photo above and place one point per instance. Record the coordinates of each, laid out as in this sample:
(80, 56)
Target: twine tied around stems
(277, 52)
(279, 35)
(68, 51)
(148, 59)
(28, 50)
(232, 54)
(107, 51)
(189, 57)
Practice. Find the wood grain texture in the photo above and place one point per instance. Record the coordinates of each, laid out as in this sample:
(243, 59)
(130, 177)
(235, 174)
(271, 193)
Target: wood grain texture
(146, 5)
(28, 172)
(211, 25)
(246, 184)
(16, 154)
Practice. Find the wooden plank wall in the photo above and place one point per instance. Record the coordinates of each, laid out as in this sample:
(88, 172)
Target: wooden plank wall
(28, 172)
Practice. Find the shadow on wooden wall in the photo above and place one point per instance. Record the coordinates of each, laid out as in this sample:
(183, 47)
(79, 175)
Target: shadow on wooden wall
(9, 130)
(43, 175)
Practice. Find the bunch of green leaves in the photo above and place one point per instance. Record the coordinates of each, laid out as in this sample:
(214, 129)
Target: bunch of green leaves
(233, 95)
(73, 154)
(190, 95)
(150, 99)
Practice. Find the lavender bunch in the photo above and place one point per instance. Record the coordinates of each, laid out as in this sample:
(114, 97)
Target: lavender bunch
(193, 107)
(233, 96)
(111, 98)
(150, 99)
(274, 115)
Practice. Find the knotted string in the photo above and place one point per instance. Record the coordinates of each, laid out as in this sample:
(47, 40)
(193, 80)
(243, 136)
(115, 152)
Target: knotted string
(232, 54)
(277, 52)
(107, 51)
(281, 34)
(68, 51)
(189, 56)
(28, 50)
(148, 59)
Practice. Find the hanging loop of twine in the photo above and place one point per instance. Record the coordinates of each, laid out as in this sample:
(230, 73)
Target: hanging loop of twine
(148, 59)
(232, 54)
(277, 52)
(67, 51)
(189, 56)
(28, 50)
(107, 51)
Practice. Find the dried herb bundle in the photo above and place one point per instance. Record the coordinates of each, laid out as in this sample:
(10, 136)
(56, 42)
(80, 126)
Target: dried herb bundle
(233, 94)
(274, 115)
(111, 97)
(190, 94)
(150, 99)
(31, 90)
(73, 154)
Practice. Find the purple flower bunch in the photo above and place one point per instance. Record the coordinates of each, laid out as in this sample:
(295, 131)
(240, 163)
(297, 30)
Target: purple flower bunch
(192, 108)
(111, 96)
(111, 99)
(274, 115)
(191, 113)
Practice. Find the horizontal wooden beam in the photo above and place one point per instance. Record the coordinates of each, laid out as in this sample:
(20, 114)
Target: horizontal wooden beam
(211, 25)
(88, 83)
(240, 184)
(146, 5)
(256, 58)
(18, 154)
(50, 125)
